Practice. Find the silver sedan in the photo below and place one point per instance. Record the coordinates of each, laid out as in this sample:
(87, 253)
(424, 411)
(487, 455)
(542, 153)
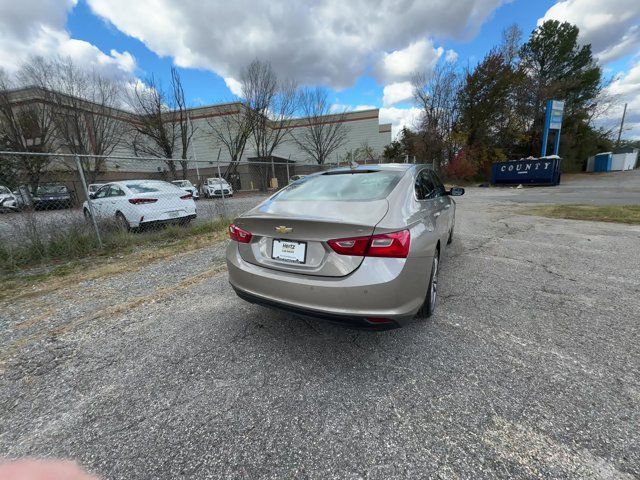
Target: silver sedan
(352, 245)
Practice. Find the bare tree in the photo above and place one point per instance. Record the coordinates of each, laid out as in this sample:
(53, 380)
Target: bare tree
(323, 133)
(232, 130)
(365, 153)
(26, 125)
(271, 105)
(155, 132)
(163, 124)
(84, 109)
(180, 117)
(436, 94)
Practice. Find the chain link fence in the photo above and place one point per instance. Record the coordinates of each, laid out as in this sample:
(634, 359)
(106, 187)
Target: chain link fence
(54, 207)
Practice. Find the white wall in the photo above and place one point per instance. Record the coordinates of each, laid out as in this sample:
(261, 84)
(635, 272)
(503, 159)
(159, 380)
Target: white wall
(624, 161)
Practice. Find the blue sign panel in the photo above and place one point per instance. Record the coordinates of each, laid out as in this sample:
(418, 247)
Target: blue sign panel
(552, 121)
(538, 171)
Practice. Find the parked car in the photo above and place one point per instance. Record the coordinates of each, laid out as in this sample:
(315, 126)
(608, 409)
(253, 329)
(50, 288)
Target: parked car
(294, 178)
(51, 196)
(141, 203)
(94, 187)
(8, 200)
(215, 187)
(359, 245)
(187, 186)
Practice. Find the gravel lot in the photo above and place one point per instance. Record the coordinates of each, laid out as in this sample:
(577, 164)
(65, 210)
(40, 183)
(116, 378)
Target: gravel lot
(529, 369)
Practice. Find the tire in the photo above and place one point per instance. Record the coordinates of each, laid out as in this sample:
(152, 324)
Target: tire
(450, 239)
(122, 222)
(87, 214)
(429, 305)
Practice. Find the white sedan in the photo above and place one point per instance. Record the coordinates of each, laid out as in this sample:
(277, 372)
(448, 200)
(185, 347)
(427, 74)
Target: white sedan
(8, 200)
(187, 186)
(139, 203)
(216, 187)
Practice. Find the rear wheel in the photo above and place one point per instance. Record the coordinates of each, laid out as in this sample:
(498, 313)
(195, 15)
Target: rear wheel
(122, 222)
(87, 214)
(429, 305)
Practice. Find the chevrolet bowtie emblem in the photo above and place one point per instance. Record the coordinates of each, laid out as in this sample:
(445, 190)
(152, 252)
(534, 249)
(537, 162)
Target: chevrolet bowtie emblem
(283, 229)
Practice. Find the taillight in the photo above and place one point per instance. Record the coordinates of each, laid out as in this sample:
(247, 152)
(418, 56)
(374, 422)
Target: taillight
(238, 234)
(138, 201)
(395, 244)
(350, 246)
(390, 245)
(186, 197)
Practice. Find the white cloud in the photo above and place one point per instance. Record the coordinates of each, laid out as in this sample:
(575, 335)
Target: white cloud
(32, 27)
(451, 56)
(399, 117)
(330, 42)
(396, 93)
(399, 65)
(625, 88)
(341, 107)
(234, 86)
(611, 27)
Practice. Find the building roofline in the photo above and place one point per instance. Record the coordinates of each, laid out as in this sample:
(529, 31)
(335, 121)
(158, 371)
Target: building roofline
(35, 93)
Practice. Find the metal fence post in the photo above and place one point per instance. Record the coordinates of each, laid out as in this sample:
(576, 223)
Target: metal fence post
(224, 208)
(89, 202)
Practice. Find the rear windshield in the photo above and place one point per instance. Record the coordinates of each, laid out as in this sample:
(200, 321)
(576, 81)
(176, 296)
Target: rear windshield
(181, 183)
(147, 187)
(359, 186)
(44, 189)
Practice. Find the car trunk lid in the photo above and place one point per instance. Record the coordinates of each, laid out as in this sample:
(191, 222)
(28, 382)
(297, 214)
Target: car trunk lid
(281, 221)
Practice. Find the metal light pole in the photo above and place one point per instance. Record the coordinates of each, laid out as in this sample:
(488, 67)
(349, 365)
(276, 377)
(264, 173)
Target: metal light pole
(224, 208)
(624, 113)
(193, 147)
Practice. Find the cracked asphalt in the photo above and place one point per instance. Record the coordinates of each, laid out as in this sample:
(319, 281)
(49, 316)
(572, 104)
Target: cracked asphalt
(529, 369)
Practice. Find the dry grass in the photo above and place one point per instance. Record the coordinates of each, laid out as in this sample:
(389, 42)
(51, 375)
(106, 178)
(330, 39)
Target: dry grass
(629, 214)
(129, 258)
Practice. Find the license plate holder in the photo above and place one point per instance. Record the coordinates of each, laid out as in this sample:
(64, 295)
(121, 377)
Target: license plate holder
(290, 251)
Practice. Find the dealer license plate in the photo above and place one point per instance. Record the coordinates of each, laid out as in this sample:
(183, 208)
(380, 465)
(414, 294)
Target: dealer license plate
(289, 251)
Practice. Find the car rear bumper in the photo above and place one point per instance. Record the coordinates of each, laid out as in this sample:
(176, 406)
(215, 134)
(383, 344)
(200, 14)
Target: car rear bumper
(51, 204)
(381, 292)
(180, 219)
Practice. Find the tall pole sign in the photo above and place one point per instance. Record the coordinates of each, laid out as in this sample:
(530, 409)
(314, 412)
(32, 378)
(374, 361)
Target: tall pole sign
(552, 121)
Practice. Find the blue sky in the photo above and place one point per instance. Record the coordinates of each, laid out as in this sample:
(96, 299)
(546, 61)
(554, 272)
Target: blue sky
(364, 55)
(206, 87)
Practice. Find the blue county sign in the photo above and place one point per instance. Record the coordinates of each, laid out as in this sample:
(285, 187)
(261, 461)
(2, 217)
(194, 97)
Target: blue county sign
(537, 171)
(552, 121)
(557, 109)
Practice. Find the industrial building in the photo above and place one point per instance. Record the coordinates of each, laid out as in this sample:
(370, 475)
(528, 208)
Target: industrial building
(363, 129)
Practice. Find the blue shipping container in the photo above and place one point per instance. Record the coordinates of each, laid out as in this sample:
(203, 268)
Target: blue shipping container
(602, 162)
(536, 171)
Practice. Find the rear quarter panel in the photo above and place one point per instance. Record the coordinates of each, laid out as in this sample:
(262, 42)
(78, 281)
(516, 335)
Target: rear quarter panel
(405, 211)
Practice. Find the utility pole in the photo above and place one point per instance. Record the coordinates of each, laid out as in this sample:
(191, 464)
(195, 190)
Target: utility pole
(624, 113)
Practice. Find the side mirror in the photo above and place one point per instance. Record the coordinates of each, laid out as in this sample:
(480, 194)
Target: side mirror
(92, 196)
(456, 191)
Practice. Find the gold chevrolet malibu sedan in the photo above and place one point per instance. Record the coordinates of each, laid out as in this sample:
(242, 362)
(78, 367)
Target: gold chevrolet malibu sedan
(355, 245)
